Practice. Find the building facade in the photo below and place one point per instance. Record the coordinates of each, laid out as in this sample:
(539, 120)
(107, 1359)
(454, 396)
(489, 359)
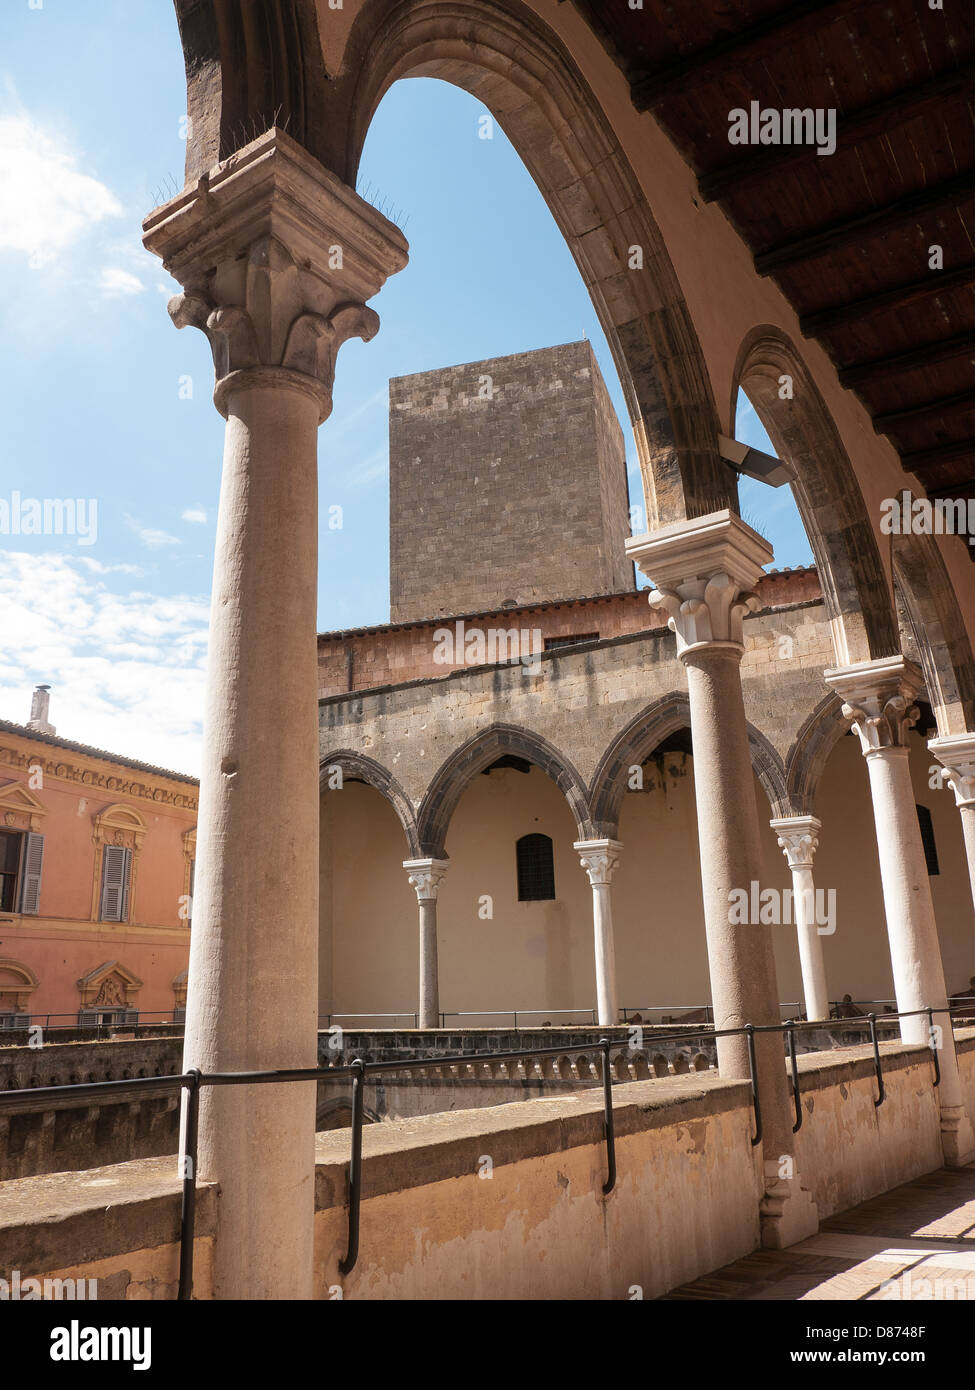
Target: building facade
(97, 857)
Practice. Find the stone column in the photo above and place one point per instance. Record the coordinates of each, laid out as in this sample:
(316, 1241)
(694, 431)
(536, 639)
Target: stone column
(599, 858)
(879, 697)
(704, 570)
(957, 754)
(425, 876)
(277, 257)
(798, 841)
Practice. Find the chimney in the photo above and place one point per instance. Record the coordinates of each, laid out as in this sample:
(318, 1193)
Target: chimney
(39, 707)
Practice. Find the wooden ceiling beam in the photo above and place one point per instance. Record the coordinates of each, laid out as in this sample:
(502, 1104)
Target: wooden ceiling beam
(944, 350)
(879, 118)
(946, 406)
(935, 282)
(650, 89)
(941, 196)
(940, 453)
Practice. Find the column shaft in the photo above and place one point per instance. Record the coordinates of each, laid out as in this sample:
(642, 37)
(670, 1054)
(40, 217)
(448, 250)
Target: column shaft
(811, 960)
(429, 979)
(254, 946)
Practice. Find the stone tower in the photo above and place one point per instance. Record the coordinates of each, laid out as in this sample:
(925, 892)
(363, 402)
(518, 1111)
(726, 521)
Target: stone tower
(507, 485)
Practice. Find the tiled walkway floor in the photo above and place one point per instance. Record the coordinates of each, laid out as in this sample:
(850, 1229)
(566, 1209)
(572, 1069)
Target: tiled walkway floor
(916, 1242)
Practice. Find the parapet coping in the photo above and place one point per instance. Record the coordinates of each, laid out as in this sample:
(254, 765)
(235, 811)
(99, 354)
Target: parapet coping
(104, 1212)
(553, 654)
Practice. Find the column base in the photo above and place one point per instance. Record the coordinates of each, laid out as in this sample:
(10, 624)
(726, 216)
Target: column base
(787, 1214)
(957, 1136)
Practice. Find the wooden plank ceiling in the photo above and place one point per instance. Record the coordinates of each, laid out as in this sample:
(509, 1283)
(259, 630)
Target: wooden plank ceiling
(846, 235)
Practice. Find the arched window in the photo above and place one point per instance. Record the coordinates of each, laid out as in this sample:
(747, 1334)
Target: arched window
(536, 868)
(927, 839)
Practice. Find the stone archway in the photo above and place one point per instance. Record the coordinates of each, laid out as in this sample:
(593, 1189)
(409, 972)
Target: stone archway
(634, 744)
(855, 588)
(500, 740)
(247, 70)
(357, 767)
(808, 756)
(944, 650)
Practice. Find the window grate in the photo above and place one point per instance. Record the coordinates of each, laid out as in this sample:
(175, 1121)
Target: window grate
(536, 868)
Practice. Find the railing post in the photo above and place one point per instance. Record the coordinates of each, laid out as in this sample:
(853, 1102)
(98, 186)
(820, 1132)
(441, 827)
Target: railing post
(933, 1046)
(791, 1035)
(610, 1182)
(882, 1094)
(355, 1167)
(188, 1208)
(753, 1076)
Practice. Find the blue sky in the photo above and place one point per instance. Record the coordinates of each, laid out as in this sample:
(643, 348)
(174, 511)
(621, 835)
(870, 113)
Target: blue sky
(105, 400)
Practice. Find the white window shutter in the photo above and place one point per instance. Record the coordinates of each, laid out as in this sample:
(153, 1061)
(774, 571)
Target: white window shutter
(116, 865)
(30, 889)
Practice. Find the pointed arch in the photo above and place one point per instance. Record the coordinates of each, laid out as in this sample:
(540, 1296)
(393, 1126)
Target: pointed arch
(477, 754)
(239, 76)
(808, 756)
(638, 740)
(944, 649)
(855, 588)
(360, 768)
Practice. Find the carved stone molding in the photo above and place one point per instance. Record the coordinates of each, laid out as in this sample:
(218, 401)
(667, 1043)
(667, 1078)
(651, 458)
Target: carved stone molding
(126, 785)
(110, 983)
(20, 808)
(704, 570)
(878, 697)
(426, 875)
(276, 257)
(798, 838)
(957, 754)
(599, 858)
(17, 983)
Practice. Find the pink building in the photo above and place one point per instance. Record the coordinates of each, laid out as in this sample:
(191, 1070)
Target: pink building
(96, 873)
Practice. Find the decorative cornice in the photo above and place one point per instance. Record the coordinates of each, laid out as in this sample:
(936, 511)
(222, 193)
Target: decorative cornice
(957, 754)
(798, 838)
(704, 570)
(426, 875)
(599, 858)
(878, 697)
(96, 781)
(276, 257)
(18, 803)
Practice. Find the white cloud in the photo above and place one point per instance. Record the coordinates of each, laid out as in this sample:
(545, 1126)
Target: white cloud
(126, 669)
(48, 203)
(197, 515)
(115, 281)
(151, 536)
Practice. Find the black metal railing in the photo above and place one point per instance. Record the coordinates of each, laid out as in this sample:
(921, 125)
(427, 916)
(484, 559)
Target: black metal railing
(193, 1081)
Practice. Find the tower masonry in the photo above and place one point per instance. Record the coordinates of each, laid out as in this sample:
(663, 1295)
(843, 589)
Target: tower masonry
(507, 485)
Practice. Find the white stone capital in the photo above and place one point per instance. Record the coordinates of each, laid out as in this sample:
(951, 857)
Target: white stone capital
(704, 570)
(957, 755)
(599, 858)
(425, 875)
(276, 257)
(878, 697)
(798, 839)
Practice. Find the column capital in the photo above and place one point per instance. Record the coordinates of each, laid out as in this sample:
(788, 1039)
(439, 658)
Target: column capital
(798, 838)
(276, 256)
(704, 570)
(599, 858)
(878, 697)
(425, 875)
(957, 754)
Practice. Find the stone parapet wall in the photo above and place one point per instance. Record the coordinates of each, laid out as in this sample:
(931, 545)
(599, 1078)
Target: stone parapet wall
(432, 1227)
